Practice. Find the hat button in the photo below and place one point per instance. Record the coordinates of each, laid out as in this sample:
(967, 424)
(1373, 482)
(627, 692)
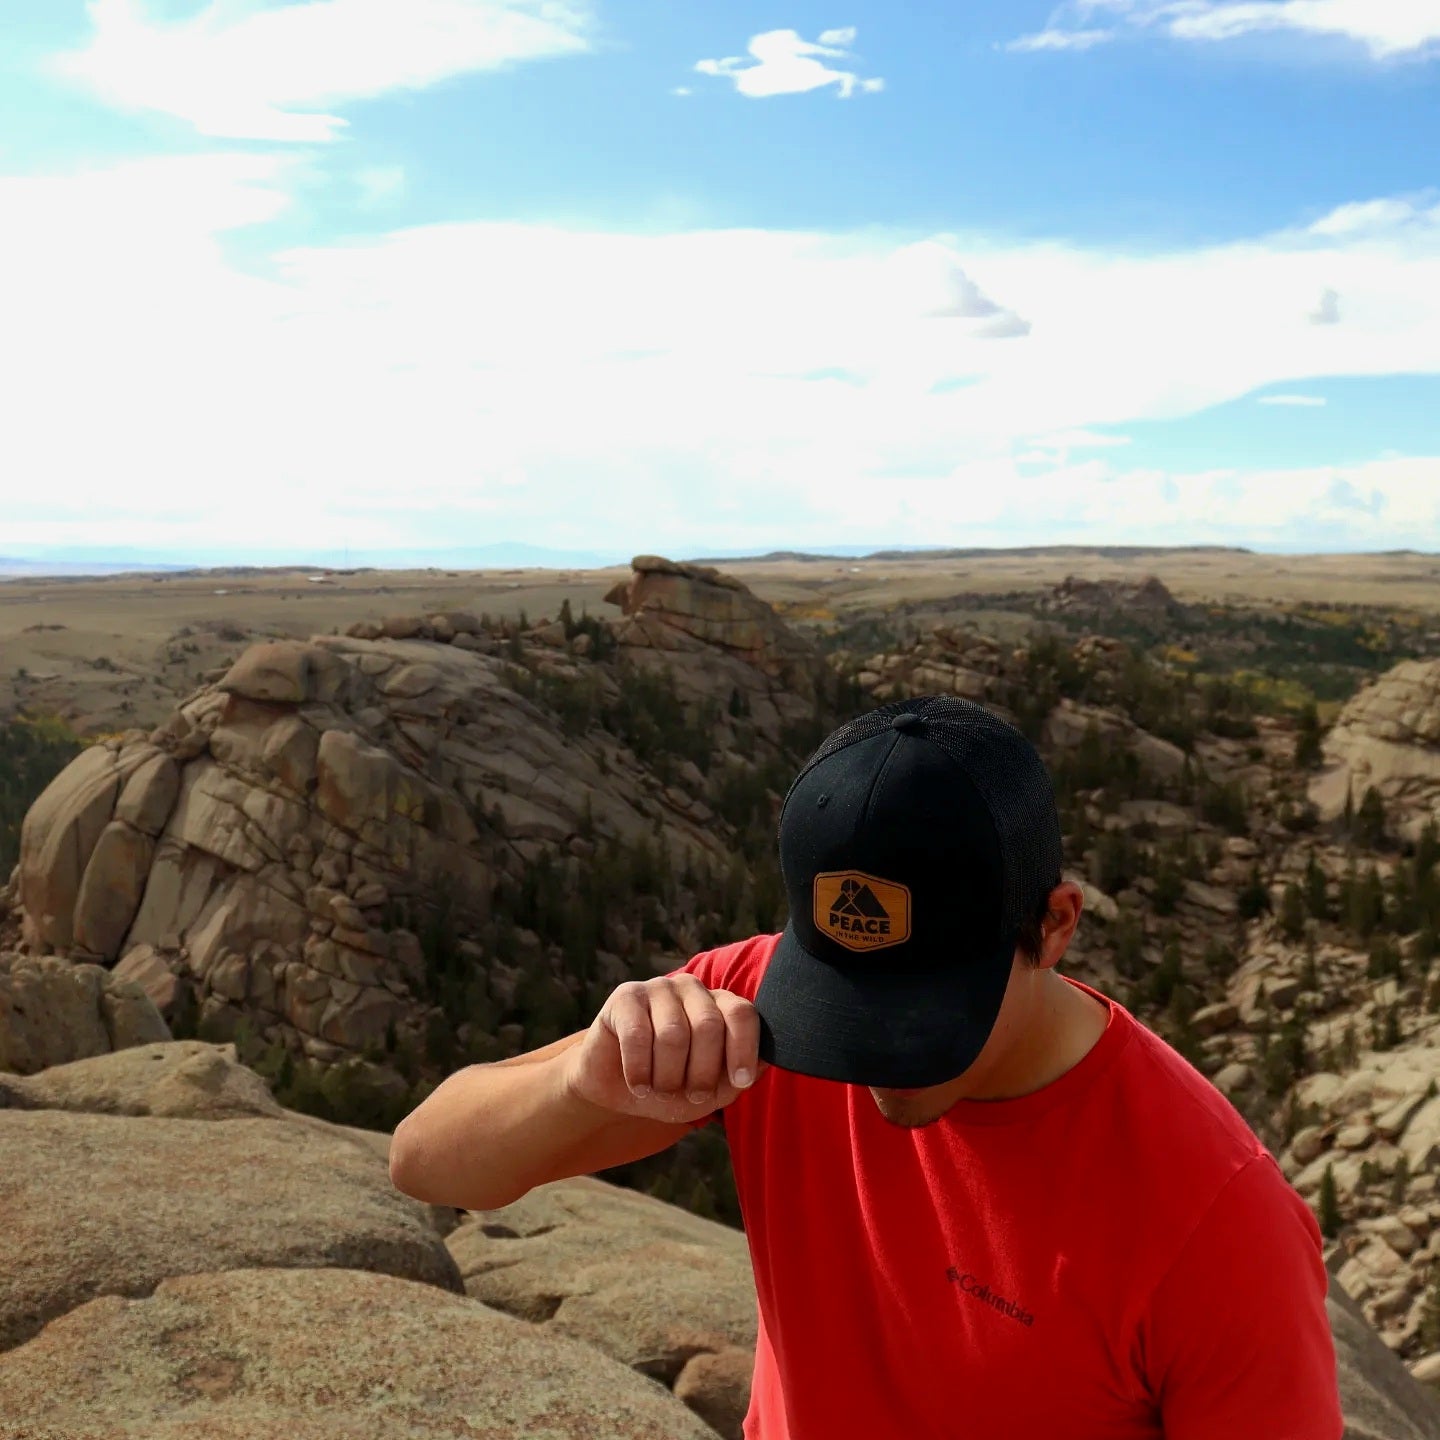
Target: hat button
(907, 721)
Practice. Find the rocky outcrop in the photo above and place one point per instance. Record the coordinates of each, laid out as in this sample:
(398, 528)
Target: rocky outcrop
(259, 853)
(716, 639)
(570, 1256)
(1387, 736)
(1378, 1134)
(107, 1204)
(948, 660)
(184, 1079)
(1075, 593)
(665, 602)
(1069, 724)
(53, 1011)
(251, 1354)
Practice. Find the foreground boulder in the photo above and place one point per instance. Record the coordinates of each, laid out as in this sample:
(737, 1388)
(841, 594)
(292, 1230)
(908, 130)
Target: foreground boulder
(668, 1293)
(184, 1079)
(111, 1204)
(321, 1355)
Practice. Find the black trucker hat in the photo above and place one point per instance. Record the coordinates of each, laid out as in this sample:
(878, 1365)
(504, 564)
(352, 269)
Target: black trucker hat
(914, 844)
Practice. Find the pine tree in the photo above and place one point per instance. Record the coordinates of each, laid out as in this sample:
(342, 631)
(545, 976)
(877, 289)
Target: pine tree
(1307, 738)
(1401, 1182)
(1254, 897)
(1330, 1218)
(1167, 974)
(1317, 893)
(1370, 820)
(1292, 912)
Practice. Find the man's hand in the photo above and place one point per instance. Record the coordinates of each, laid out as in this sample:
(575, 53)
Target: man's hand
(667, 1049)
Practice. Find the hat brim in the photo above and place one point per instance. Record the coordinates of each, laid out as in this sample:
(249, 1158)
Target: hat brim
(868, 1025)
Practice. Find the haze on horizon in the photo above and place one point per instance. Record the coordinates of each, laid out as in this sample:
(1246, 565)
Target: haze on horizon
(316, 280)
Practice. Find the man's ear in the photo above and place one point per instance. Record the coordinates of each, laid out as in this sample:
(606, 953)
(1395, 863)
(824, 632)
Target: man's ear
(1065, 904)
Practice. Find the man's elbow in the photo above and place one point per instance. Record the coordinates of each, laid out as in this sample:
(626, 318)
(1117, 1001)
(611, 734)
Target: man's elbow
(414, 1171)
(407, 1173)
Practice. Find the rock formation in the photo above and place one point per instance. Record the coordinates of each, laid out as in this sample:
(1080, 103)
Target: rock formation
(258, 847)
(1387, 736)
(1075, 593)
(696, 608)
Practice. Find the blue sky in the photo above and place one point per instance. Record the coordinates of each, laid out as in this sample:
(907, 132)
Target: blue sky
(672, 275)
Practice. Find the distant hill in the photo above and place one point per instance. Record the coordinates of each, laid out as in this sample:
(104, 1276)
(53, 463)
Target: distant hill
(15, 568)
(920, 552)
(501, 556)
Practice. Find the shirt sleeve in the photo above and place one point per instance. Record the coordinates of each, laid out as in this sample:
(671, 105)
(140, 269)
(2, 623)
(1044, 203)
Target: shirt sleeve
(1237, 1340)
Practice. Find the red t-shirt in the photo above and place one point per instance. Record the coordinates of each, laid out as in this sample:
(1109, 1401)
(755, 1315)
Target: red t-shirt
(1113, 1257)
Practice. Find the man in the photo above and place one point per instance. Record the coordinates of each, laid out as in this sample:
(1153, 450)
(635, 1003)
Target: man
(981, 1199)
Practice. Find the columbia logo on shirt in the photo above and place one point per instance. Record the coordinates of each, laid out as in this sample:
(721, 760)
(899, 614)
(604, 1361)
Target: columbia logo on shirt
(976, 1289)
(860, 911)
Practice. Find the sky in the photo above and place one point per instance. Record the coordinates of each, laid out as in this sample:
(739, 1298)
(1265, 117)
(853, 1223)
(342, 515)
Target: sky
(678, 276)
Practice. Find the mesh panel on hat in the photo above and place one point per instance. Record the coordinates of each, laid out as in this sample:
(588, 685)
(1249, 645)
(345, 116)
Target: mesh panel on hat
(1007, 771)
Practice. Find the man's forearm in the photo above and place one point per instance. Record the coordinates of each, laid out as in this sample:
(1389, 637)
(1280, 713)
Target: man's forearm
(490, 1133)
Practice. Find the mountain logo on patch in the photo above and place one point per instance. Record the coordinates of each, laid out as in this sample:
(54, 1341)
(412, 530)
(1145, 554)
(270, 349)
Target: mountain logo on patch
(860, 911)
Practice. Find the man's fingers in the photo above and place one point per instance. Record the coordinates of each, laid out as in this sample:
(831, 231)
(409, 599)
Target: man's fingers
(706, 1070)
(682, 1041)
(742, 1038)
(628, 1017)
(672, 1039)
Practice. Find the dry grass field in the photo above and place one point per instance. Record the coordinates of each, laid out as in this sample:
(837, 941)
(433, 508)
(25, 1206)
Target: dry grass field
(108, 653)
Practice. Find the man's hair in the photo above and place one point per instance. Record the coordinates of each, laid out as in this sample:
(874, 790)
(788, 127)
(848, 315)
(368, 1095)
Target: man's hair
(1032, 932)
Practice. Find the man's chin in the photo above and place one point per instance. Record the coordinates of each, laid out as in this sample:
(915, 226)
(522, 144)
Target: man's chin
(909, 1108)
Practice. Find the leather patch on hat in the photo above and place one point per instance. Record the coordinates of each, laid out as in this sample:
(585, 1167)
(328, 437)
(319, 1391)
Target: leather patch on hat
(860, 911)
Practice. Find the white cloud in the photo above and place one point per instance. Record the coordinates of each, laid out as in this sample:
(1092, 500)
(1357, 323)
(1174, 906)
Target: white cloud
(448, 382)
(1379, 217)
(1327, 312)
(931, 284)
(267, 72)
(1301, 401)
(785, 64)
(681, 90)
(1062, 40)
(1388, 29)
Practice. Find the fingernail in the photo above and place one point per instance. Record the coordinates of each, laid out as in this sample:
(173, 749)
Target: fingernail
(742, 1078)
(699, 1097)
(639, 1091)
